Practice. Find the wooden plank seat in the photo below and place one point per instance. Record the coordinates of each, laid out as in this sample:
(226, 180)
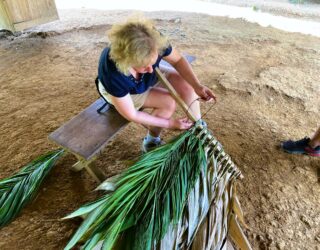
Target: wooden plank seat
(87, 134)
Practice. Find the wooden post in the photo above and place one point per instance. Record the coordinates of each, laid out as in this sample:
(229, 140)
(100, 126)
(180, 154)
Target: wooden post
(5, 21)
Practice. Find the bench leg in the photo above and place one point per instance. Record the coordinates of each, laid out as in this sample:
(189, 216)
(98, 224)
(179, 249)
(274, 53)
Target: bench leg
(95, 172)
(79, 165)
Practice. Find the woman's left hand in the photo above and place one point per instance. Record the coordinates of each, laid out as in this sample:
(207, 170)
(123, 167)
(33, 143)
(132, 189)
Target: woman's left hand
(205, 93)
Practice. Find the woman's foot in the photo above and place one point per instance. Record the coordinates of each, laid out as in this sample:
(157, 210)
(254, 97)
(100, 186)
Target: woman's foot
(150, 142)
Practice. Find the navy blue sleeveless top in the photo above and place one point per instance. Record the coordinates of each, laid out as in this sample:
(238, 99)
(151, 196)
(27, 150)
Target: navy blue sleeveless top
(118, 84)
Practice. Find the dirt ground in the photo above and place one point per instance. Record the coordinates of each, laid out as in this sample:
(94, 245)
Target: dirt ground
(267, 82)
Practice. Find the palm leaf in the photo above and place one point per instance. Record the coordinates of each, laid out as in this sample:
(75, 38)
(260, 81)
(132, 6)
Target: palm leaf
(178, 196)
(149, 196)
(160, 202)
(18, 190)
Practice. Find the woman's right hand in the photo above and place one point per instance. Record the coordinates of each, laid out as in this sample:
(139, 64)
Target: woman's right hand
(181, 124)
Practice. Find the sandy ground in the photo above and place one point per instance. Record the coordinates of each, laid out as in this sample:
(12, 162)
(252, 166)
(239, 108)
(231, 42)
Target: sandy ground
(267, 83)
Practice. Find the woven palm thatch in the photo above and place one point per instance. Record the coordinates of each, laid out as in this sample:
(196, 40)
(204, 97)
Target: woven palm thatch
(179, 196)
(212, 207)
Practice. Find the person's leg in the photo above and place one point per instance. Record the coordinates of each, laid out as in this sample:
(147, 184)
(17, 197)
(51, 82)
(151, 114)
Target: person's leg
(304, 146)
(163, 106)
(315, 140)
(186, 92)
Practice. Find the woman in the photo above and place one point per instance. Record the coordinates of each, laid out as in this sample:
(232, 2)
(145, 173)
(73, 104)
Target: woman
(128, 81)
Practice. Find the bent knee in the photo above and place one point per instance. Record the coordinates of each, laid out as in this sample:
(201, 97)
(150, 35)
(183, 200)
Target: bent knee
(170, 104)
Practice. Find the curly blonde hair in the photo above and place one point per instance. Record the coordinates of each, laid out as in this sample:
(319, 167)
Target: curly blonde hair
(134, 42)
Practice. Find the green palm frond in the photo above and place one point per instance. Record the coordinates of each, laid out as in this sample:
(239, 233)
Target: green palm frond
(161, 203)
(18, 190)
(179, 196)
(149, 196)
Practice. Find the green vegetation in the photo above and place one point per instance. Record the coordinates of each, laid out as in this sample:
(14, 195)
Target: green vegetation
(18, 190)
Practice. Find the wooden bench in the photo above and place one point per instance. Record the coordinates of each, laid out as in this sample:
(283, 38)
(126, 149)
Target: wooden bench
(87, 134)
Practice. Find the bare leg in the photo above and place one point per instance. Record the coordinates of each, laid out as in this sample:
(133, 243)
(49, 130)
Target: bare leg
(315, 140)
(186, 92)
(163, 106)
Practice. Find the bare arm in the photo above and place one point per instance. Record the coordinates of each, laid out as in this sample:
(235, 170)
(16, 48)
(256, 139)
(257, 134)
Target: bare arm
(125, 107)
